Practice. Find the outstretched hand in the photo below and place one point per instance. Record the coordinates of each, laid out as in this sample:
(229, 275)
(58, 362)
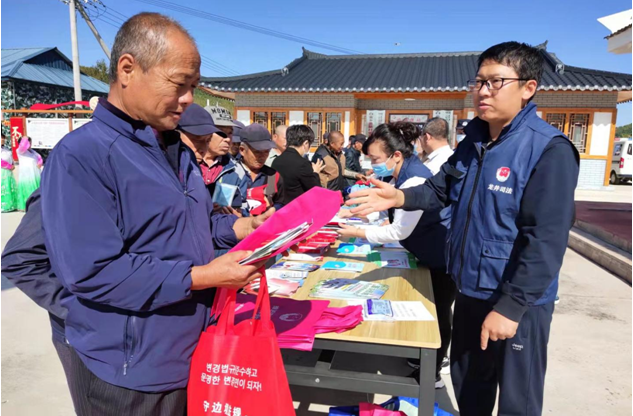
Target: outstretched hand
(379, 198)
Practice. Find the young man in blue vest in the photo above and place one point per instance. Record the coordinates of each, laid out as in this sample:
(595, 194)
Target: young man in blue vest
(510, 186)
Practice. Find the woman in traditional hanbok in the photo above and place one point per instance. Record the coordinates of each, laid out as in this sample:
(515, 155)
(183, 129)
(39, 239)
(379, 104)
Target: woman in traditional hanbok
(29, 172)
(9, 189)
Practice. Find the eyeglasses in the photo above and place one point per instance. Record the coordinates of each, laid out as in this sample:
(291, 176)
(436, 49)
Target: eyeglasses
(492, 84)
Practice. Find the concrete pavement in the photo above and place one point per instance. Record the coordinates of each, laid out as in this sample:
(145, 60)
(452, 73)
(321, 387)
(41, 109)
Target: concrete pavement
(589, 352)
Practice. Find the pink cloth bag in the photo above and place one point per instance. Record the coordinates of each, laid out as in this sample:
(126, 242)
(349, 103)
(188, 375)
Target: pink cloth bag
(318, 206)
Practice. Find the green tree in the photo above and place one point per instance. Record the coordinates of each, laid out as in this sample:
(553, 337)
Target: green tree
(623, 131)
(98, 71)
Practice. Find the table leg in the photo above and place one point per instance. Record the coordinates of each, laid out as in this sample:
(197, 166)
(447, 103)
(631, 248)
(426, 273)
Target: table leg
(426, 396)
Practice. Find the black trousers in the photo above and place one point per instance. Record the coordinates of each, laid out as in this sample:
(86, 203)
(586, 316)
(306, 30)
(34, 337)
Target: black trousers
(444, 290)
(516, 365)
(94, 397)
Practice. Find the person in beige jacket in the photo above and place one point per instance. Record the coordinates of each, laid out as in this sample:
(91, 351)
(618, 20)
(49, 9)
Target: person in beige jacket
(331, 154)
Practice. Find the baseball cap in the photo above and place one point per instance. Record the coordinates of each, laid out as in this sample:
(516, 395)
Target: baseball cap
(221, 116)
(196, 120)
(237, 131)
(257, 136)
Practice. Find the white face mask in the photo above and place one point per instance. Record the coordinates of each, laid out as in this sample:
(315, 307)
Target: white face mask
(460, 137)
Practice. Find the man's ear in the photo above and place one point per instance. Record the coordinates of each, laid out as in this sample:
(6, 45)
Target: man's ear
(125, 69)
(529, 89)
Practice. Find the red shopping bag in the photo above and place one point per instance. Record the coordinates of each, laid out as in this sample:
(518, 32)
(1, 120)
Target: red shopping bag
(237, 369)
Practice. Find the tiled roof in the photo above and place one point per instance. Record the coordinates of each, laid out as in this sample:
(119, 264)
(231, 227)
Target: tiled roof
(419, 72)
(47, 66)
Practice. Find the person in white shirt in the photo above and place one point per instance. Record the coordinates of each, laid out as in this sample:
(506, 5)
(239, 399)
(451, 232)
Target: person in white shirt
(433, 143)
(390, 149)
(279, 138)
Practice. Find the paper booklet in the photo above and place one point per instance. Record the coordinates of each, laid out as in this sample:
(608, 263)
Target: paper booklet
(354, 249)
(270, 247)
(390, 310)
(223, 194)
(293, 265)
(393, 259)
(348, 289)
(344, 266)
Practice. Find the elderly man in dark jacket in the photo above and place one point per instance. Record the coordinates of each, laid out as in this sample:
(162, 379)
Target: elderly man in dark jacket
(132, 239)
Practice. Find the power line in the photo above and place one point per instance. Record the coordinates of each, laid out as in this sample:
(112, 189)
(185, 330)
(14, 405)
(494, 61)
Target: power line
(243, 25)
(207, 62)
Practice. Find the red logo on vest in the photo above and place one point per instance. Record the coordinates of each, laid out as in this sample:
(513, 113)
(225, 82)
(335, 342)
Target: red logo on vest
(503, 174)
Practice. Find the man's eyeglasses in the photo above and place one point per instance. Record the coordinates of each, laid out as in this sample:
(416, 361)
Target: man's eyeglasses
(492, 84)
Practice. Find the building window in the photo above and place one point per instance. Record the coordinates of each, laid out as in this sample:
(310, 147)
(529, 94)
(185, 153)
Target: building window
(578, 127)
(314, 121)
(260, 117)
(557, 120)
(333, 122)
(278, 119)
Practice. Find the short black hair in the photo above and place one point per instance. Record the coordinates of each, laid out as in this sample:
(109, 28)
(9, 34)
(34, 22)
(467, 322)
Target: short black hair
(526, 60)
(437, 127)
(298, 134)
(394, 137)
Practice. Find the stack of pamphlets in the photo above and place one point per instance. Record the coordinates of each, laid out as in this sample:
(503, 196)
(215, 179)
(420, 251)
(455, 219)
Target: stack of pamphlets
(270, 247)
(348, 289)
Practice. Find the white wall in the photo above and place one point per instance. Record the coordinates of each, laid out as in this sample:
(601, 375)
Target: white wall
(295, 117)
(600, 132)
(244, 116)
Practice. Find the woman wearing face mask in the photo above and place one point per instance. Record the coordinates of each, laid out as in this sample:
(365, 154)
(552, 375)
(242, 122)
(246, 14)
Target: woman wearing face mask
(390, 149)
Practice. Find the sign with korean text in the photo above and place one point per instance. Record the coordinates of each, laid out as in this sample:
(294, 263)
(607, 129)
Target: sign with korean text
(45, 133)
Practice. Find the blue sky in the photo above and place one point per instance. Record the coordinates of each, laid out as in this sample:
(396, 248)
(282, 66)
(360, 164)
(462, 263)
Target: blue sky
(368, 26)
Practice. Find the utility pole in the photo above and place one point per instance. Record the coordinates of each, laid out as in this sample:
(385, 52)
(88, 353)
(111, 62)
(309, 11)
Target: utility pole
(73, 38)
(92, 27)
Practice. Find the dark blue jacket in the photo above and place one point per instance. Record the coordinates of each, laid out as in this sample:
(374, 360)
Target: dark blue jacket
(25, 263)
(252, 192)
(427, 240)
(512, 204)
(123, 228)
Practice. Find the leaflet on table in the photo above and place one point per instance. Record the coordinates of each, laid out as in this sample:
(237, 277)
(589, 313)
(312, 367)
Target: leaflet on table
(354, 249)
(271, 246)
(390, 310)
(293, 265)
(286, 274)
(393, 259)
(362, 241)
(344, 266)
(304, 257)
(348, 289)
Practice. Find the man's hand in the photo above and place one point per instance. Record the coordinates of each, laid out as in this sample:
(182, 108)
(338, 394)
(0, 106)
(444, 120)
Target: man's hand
(318, 166)
(347, 231)
(226, 210)
(380, 198)
(225, 271)
(497, 327)
(244, 226)
(361, 177)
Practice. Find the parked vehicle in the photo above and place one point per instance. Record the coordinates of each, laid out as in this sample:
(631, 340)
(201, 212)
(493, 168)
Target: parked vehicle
(622, 161)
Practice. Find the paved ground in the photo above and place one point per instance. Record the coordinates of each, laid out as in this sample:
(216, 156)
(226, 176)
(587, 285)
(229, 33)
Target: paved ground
(612, 217)
(589, 355)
